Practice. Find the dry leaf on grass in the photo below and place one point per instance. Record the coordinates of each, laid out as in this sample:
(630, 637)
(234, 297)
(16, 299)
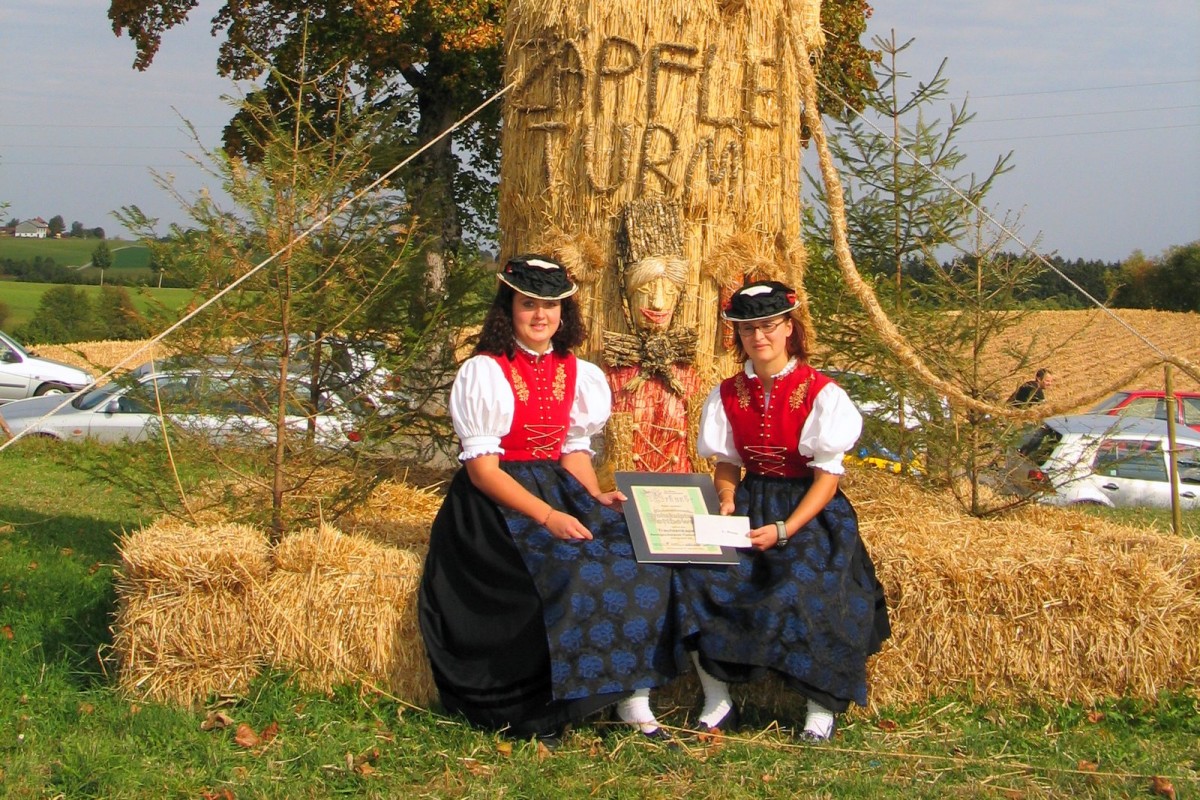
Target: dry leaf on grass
(215, 721)
(246, 737)
(1163, 787)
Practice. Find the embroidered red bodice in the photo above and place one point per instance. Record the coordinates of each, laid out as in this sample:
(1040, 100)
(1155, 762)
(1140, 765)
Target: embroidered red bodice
(766, 436)
(543, 389)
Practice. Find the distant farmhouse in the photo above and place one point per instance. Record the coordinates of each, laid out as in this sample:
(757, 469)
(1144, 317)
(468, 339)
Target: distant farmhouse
(35, 228)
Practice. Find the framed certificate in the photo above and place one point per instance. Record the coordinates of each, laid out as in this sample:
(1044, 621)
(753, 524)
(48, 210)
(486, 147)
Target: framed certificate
(659, 513)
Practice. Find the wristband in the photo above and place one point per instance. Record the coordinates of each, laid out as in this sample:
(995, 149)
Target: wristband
(781, 532)
(721, 492)
(548, 515)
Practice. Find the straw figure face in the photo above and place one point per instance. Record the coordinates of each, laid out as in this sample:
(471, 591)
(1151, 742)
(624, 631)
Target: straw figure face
(652, 305)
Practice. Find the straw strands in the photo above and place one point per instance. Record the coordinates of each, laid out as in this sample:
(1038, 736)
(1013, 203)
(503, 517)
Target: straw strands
(1043, 605)
(184, 626)
(343, 609)
(219, 604)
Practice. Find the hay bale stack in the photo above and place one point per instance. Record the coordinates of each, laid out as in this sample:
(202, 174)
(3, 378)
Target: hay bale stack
(1044, 605)
(396, 514)
(183, 628)
(343, 609)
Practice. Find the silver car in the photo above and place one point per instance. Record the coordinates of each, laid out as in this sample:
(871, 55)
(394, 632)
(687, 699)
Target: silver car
(1099, 459)
(207, 401)
(24, 375)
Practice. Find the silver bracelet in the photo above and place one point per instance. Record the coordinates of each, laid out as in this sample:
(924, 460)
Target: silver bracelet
(781, 532)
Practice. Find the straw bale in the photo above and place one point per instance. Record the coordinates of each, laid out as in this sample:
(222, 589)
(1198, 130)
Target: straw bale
(396, 514)
(104, 354)
(343, 609)
(186, 645)
(174, 555)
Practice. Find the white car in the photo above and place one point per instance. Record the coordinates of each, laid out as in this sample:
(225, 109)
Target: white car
(23, 375)
(211, 402)
(1099, 459)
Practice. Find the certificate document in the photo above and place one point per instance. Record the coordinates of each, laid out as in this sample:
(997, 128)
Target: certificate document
(660, 513)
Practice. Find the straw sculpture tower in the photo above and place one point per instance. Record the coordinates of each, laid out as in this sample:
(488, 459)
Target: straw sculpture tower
(667, 130)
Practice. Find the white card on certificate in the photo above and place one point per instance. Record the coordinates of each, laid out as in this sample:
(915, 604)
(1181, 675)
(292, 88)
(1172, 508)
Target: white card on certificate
(725, 531)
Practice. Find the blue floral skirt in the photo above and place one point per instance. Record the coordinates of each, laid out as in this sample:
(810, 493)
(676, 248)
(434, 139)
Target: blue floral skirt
(528, 632)
(812, 612)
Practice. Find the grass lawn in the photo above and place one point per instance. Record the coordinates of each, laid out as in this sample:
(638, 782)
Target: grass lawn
(22, 298)
(65, 732)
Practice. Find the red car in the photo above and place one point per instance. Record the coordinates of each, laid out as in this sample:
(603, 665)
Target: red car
(1153, 404)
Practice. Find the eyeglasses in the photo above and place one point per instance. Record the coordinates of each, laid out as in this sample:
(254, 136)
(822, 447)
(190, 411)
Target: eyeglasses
(748, 329)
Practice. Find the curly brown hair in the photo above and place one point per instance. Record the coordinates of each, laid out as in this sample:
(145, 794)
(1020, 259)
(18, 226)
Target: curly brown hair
(797, 345)
(496, 336)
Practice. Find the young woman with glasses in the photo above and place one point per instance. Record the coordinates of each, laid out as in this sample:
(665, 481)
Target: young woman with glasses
(803, 601)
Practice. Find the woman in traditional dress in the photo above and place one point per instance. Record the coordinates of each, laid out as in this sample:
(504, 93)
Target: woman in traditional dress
(803, 602)
(533, 608)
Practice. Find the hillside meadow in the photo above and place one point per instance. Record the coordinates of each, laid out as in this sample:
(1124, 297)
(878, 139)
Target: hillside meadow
(22, 298)
(74, 252)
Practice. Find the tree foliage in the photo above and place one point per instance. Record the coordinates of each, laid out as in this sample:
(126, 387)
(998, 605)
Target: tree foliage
(102, 256)
(908, 202)
(309, 254)
(1170, 282)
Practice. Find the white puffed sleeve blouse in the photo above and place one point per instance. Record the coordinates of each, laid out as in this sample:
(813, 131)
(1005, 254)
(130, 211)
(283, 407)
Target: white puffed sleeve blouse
(482, 404)
(830, 430)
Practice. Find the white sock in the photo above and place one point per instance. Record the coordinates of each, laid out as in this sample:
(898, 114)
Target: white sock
(635, 710)
(819, 721)
(717, 702)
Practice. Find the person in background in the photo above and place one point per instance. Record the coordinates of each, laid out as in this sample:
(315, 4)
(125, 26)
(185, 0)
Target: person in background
(533, 608)
(803, 602)
(1032, 392)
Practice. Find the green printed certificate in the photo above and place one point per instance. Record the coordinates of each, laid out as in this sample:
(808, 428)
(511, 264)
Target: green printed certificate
(659, 512)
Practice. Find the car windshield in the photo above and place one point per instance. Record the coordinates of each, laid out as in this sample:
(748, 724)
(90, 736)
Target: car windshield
(1039, 444)
(15, 345)
(1112, 402)
(96, 397)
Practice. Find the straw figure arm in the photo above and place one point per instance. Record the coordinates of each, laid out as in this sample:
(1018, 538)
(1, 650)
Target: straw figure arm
(579, 464)
(486, 475)
(824, 487)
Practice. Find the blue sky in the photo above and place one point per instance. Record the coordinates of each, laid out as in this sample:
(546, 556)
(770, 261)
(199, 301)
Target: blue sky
(1099, 100)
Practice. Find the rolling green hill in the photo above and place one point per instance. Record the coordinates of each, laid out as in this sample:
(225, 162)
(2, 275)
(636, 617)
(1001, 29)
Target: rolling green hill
(75, 252)
(22, 299)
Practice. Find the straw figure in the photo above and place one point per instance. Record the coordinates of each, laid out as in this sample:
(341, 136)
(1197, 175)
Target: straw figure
(693, 103)
(650, 371)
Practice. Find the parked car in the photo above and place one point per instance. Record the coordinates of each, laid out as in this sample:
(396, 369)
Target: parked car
(211, 400)
(23, 375)
(356, 365)
(1153, 405)
(1107, 460)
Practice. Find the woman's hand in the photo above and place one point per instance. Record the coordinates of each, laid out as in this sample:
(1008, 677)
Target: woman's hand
(563, 526)
(726, 506)
(764, 538)
(612, 499)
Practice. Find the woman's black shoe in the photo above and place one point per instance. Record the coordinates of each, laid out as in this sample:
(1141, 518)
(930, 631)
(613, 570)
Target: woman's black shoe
(727, 723)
